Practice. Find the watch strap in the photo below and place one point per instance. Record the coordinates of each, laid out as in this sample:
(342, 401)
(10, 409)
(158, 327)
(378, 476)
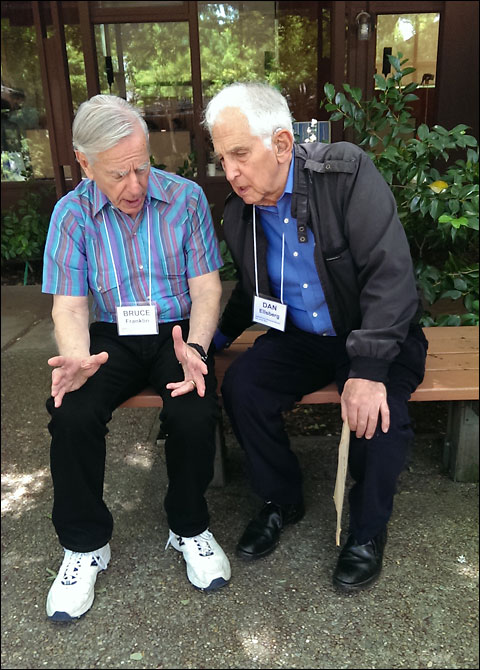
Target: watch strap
(200, 349)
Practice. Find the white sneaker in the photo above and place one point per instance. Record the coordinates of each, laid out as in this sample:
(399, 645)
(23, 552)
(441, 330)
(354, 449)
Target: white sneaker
(72, 592)
(208, 568)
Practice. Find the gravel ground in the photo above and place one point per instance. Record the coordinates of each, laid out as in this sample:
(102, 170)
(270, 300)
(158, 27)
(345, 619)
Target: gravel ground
(280, 612)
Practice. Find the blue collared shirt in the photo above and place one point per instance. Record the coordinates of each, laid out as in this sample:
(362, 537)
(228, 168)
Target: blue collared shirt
(93, 246)
(302, 290)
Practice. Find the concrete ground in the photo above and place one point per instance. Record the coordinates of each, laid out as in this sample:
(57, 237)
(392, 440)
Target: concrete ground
(280, 612)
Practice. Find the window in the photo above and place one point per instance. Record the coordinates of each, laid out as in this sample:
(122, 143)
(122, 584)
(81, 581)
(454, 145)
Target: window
(148, 64)
(276, 42)
(23, 106)
(416, 37)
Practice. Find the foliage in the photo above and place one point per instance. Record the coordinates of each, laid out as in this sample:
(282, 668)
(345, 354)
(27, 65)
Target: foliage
(228, 272)
(437, 198)
(24, 230)
(187, 170)
(189, 167)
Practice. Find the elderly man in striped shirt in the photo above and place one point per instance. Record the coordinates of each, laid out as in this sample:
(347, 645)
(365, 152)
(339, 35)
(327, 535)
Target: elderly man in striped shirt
(142, 242)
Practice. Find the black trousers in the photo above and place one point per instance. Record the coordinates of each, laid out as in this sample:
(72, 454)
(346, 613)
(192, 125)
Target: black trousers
(279, 369)
(78, 428)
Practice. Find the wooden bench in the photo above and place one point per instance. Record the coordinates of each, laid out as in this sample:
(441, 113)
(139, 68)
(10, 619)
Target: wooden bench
(451, 375)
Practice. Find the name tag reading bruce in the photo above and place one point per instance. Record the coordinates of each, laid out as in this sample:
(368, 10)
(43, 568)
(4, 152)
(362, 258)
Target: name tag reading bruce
(269, 312)
(139, 319)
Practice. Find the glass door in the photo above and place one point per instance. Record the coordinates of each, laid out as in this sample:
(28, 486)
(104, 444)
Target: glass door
(415, 35)
(149, 65)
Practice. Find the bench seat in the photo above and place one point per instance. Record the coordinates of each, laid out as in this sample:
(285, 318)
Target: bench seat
(451, 375)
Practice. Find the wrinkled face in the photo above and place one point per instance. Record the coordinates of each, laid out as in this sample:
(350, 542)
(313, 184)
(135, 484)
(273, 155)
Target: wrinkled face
(257, 174)
(121, 173)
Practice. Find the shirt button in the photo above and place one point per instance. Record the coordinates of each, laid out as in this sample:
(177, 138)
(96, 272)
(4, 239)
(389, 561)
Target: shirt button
(140, 267)
(305, 286)
(314, 314)
(295, 253)
(285, 220)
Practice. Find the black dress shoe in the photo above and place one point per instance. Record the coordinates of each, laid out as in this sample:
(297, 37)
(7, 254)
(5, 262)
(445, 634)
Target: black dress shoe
(262, 534)
(359, 565)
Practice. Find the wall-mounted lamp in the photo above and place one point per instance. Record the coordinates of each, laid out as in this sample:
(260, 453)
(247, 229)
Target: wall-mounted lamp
(364, 24)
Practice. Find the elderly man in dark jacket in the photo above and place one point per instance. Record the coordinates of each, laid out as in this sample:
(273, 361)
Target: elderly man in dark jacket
(325, 264)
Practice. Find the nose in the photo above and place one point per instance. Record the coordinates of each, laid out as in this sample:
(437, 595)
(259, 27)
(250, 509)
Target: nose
(231, 169)
(133, 183)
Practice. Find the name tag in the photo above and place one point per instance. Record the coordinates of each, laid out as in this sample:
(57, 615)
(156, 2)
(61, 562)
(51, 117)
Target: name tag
(139, 319)
(269, 312)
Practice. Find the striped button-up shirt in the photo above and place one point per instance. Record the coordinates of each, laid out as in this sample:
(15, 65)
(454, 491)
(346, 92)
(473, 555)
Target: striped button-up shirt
(93, 246)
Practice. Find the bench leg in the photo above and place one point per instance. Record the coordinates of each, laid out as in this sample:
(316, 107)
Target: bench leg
(219, 475)
(460, 454)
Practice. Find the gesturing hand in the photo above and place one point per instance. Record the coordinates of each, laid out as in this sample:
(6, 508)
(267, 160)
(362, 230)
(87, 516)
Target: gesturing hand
(71, 373)
(193, 367)
(362, 400)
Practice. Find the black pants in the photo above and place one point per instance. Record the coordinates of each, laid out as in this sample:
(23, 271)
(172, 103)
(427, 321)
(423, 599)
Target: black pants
(279, 369)
(79, 426)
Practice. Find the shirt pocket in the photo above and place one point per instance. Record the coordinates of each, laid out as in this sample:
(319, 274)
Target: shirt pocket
(104, 287)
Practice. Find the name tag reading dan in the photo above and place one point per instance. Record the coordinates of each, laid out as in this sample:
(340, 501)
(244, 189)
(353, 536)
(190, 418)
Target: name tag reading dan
(138, 319)
(269, 312)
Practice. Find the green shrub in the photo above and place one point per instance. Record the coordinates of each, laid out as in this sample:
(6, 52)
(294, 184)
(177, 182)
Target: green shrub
(228, 272)
(24, 231)
(437, 199)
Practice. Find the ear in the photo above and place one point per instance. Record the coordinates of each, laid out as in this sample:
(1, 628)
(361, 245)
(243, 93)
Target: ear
(84, 164)
(283, 144)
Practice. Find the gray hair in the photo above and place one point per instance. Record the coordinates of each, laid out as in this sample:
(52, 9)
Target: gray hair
(101, 122)
(265, 108)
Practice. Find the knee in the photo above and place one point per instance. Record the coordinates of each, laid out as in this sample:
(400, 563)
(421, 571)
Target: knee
(238, 384)
(73, 415)
(203, 414)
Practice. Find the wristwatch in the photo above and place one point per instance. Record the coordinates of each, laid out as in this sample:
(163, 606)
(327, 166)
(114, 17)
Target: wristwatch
(200, 349)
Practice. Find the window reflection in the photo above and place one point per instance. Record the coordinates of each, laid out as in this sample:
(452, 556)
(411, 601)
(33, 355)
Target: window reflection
(148, 64)
(416, 37)
(265, 41)
(23, 108)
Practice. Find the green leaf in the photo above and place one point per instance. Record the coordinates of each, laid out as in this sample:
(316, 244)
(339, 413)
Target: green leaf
(449, 320)
(436, 206)
(136, 656)
(440, 130)
(414, 203)
(356, 94)
(469, 319)
(380, 82)
(329, 91)
(423, 132)
(461, 127)
(460, 284)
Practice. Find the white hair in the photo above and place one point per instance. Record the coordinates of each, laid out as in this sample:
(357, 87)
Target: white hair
(101, 122)
(264, 107)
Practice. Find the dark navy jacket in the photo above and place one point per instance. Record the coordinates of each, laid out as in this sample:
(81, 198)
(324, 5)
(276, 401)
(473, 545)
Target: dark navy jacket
(361, 254)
